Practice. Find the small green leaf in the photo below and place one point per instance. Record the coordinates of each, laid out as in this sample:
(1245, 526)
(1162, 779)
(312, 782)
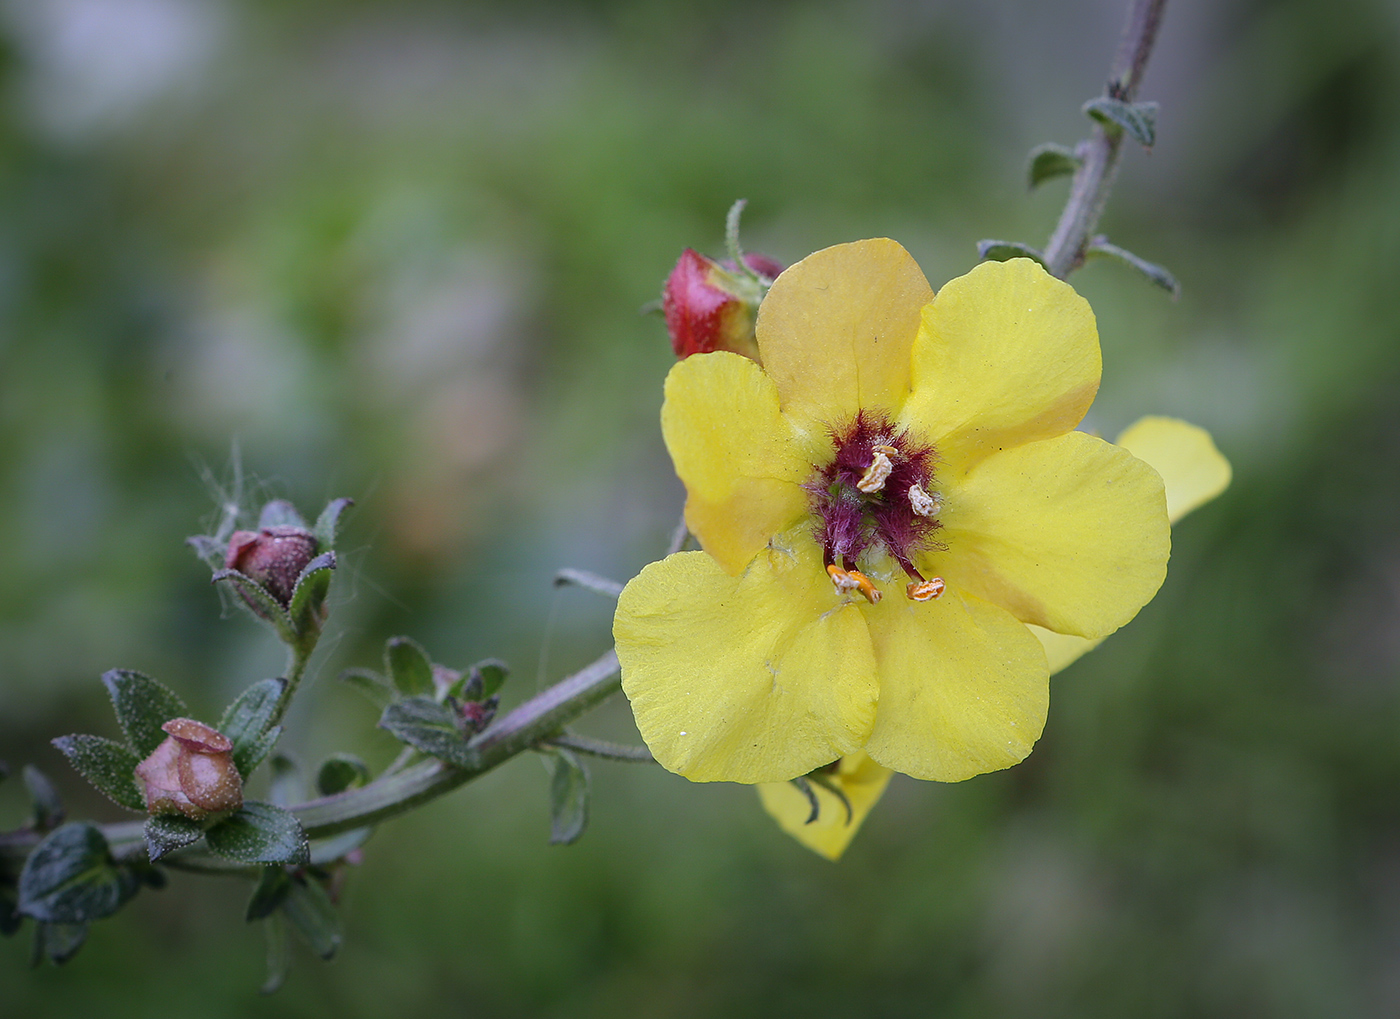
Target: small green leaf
(310, 593)
(1139, 120)
(280, 513)
(279, 958)
(371, 684)
(70, 878)
(259, 601)
(108, 765)
(340, 772)
(288, 786)
(259, 833)
(1001, 251)
(408, 666)
(166, 833)
(58, 941)
(48, 805)
(312, 914)
(493, 673)
(568, 798)
(1155, 273)
(271, 889)
(245, 723)
(431, 727)
(327, 527)
(1049, 161)
(142, 707)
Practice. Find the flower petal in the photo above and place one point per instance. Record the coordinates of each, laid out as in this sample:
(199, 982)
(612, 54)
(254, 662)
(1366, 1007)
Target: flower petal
(1184, 455)
(836, 329)
(1062, 649)
(860, 780)
(755, 678)
(1006, 355)
(963, 687)
(738, 456)
(1069, 533)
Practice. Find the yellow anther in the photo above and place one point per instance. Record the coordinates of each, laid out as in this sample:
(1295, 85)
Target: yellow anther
(922, 503)
(853, 580)
(925, 590)
(874, 477)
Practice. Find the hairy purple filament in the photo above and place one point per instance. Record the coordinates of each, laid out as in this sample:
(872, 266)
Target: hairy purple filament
(854, 521)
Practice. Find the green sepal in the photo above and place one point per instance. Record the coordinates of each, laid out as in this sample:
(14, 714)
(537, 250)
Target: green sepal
(268, 609)
(311, 913)
(1001, 251)
(245, 723)
(259, 833)
(433, 728)
(166, 833)
(340, 772)
(1099, 246)
(58, 942)
(142, 707)
(269, 893)
(48, 805)
(279, 956)
(109, 766)
(568, 798)
(280, 513)
(288, 785)
(70, 877)
(310, 594)
(493, 673)
(1048, 161)
(371, 684)
(327, 528)
(409, 666)
(1139, 120)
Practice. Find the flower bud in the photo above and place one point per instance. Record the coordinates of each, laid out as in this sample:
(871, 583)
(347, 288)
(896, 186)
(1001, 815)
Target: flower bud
(272, 556)
(191, 773)
(711, 305)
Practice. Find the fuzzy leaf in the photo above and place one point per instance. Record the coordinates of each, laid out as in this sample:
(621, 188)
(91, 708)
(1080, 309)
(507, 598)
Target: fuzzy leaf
(1050, 161)
(493, 673)
(1139, 120)
(371, 684)
(263, 605)
(271, 889)
(1001, 251)
(48, 805)
(70, 878)
(310, 593)
(166, 833)
(408, 666)
(327, 527)
(1155, 273)
(280, 513)
(279, 958)
(431, 727)
(340, 772)
(245, 723)
(259, 833)
(568, 798)
(309, 909)
(108, 765)
(142, 707)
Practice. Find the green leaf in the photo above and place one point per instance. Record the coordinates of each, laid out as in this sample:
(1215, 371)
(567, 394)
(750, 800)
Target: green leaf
(271, 889)
(1001, 251)
(340, 772)
(1158, 275)
(48, 805)
(288, 786)
(310, 593)
(280, 513)
(1139, 120)
(108, 765)
(327, 527)
(142, 707)
(70, 878)
(493, 673)
(58, 941)
(312, 914)
(260, 602)
(431, 727)
(259, 833)
(568, 798)
(408, 666)
(166, 833)
(1049, 161)
(245, 723)
(371, 684)
(279, 959)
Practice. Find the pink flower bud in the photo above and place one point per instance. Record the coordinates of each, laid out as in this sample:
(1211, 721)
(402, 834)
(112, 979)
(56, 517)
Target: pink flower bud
(191, 773)
(710, 305)
(273, 556)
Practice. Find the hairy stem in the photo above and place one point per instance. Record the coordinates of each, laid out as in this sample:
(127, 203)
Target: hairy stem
(1101, 152)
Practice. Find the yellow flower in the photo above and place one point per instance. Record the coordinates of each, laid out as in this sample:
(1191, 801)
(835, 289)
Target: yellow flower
(1193, 471)
(884, 507)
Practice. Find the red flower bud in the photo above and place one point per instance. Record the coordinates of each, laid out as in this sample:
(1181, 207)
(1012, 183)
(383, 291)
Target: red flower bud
(191, 773)
(711, 305)
(273, 556)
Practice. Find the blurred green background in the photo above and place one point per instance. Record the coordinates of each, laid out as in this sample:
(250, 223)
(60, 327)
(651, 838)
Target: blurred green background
(396, 250)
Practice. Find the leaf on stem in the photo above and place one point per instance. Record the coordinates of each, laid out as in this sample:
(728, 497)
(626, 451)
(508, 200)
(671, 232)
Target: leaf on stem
(1139, 120)
(142, 707)
(1049, 161)
(109, 766)
(310, 911)
(340, 772)
(433, 728)
(1001, 251)
(70, 878)
(1159, 276)
(371, 684)
(259, 833)
(58, 941)
(245, 723)
(327, 528)
(409, 666)
(568, 798)
(279, 959)
(269, 893)
(589, 581)
(166, 833)
(48, 805)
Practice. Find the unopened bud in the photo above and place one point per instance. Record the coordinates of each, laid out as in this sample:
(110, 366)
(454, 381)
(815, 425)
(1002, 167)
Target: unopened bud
(713, 306)
(272, 556)
(191, 773)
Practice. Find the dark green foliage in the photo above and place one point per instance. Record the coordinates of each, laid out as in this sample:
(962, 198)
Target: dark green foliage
(245, 723)
(433, 728)
(409, 666)
(166, 833)
(340, 772)
(1139, 120)
(1049, 161)
(109, 766)
(70, 878)
(568, 798)
(142, 707)
(259, 833)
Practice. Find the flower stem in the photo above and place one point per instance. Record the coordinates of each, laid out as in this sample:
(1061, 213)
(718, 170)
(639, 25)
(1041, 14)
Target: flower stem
(1101, 152)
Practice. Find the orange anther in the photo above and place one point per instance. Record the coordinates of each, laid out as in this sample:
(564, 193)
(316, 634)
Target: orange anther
(925, 590)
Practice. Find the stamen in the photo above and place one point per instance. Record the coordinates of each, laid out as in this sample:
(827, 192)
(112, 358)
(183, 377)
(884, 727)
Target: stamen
(925, 590)
(864, 585)
(847, 581)
(874, 477)
(922, 503)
